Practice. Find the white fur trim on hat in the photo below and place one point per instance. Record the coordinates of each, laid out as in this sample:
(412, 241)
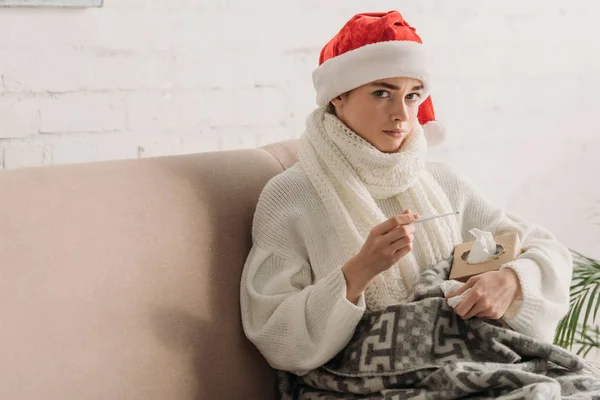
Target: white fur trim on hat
(369, 63)
(434, 133)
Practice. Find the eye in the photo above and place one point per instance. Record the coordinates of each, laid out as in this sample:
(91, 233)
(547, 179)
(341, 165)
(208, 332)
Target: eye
(382, 94)
(413, 96)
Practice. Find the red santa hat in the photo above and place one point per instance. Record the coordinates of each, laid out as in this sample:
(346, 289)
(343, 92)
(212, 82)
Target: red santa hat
(374, 46)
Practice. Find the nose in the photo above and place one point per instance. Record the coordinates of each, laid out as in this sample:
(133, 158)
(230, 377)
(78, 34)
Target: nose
(399, 111)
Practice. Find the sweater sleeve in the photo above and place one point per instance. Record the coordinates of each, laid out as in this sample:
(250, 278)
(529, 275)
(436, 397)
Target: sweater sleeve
(297, 322)
(544, 268)
(296, 325)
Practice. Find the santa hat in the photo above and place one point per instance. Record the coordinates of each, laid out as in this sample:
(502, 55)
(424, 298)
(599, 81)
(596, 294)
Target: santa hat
(375, 46)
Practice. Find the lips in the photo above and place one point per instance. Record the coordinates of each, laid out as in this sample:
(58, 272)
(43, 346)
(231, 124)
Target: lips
(395, 133)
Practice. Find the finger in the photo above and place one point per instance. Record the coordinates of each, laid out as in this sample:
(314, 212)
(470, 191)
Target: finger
(491, 313)
(466, 304)
(478, 308)
(399, 233)
(484, 314)
(405, 218)
(469, 284)
(402, 242)
(403, 251)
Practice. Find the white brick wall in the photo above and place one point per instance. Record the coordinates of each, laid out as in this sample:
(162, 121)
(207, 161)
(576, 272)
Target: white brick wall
(517, 88)
(82, 112)
(25, 155)
(19, 116)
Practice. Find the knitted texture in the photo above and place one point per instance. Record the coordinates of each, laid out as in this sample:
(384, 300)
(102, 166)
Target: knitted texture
(293, 292)
(349, 173)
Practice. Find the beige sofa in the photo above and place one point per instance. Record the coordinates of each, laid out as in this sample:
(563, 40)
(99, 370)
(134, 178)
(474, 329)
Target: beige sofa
(120, 279)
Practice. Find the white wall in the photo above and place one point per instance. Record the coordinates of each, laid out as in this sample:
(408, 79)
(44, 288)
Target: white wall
(517, 86)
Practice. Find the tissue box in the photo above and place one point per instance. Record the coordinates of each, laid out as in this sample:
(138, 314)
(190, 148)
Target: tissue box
(508, 248)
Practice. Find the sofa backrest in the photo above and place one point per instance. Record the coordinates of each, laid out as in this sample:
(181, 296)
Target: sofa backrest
(120, 279)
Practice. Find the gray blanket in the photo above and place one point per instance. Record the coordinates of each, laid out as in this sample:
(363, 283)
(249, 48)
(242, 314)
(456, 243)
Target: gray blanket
(422, 350)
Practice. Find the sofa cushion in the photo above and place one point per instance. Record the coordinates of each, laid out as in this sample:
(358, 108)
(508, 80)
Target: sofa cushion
(120, 279)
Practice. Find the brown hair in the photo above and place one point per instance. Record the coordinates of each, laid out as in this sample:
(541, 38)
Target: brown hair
(330, 108)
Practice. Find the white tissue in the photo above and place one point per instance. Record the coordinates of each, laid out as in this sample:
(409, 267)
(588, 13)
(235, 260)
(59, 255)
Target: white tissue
(484, 247)
(452, 286)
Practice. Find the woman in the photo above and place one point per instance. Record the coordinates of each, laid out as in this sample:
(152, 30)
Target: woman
(334, 235)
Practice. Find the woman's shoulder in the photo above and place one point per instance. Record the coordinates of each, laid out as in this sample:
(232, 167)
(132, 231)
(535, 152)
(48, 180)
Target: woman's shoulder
(293, 184)
(290, 178)
(457, 186)
(287, 193)
(453, 183)
(440, 169)
(443, 172)
(287, 199)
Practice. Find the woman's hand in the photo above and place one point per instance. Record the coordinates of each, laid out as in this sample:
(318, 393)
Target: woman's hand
(490, 296)
(386, 244)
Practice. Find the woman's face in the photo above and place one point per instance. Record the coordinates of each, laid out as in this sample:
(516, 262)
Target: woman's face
(382, 112)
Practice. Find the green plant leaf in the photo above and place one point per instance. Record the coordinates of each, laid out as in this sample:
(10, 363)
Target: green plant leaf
(584, 298)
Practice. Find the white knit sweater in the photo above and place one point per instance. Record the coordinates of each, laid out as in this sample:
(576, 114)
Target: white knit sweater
(293, 292)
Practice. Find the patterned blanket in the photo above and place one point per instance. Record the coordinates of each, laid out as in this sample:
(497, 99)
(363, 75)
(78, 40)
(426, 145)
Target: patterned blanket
(422, 350)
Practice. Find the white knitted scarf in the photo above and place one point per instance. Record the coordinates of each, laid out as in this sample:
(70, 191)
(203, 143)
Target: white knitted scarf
(349, 173)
